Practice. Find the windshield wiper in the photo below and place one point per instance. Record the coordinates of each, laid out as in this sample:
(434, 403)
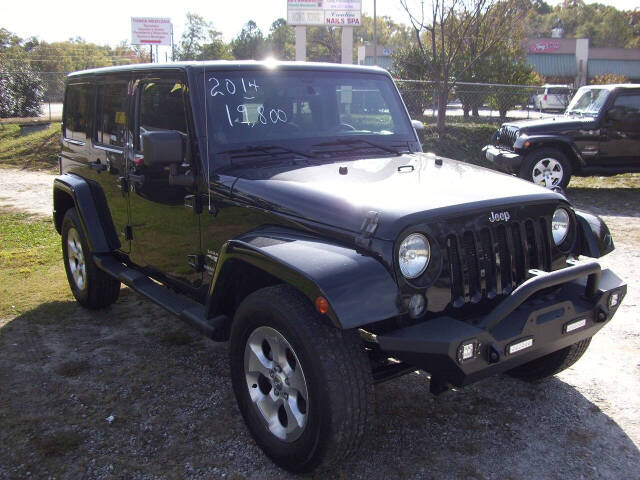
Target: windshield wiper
(352, 142)
(266, 149)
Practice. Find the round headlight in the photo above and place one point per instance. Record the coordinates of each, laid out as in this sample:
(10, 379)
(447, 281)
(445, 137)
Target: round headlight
(413, 255)
(560, 225)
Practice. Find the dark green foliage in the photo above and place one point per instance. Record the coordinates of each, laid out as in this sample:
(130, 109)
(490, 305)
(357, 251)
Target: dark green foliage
(21, 90)
(249, 44)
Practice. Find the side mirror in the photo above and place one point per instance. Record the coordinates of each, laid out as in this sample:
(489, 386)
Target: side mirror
(162, 147)
(417, 124)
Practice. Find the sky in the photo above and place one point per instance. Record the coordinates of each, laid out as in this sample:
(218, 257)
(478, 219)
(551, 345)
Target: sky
(109, 22)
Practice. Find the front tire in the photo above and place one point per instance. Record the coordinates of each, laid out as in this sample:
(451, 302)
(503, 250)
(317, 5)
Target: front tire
(550, 364)
(547, 167)
(91, 287)
(304, 387)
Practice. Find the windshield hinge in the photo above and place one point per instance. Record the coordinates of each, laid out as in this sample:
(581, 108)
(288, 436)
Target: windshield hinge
(368, 228)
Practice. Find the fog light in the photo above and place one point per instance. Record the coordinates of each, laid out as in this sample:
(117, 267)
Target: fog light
(416, 305)
(614, 299)
(468, 350)
(575, 325)
(520, 345)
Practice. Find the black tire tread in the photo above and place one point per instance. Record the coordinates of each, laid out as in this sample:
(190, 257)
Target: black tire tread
(552, 363)
(102, 289)
(350, 388)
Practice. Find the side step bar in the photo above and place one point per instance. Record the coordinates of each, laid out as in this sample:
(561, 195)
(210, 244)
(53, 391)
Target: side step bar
(186, 309)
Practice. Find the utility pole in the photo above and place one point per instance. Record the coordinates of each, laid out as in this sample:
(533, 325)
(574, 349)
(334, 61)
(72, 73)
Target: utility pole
(375, 35)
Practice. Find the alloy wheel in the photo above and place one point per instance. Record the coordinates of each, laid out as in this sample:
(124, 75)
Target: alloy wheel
(547, 172)
(75, 258)
(276, 383)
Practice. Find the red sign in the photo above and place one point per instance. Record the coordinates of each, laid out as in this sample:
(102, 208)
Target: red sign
(544, 46)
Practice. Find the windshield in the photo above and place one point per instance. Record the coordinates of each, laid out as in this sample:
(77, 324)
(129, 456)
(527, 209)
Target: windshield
(301, 109)
(588, 101)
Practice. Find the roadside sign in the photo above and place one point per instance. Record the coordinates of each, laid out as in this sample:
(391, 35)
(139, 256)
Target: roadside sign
(150, 31)
(337, 13)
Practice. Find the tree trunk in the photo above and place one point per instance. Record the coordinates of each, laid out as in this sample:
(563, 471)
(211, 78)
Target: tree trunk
(443, 96)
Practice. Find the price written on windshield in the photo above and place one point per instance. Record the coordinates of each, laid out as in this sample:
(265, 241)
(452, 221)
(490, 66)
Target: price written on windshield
(248, 89)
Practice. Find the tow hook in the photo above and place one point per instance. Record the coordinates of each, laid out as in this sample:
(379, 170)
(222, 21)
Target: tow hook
(493, 353)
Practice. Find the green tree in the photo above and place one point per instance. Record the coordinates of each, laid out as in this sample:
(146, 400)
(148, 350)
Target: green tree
(510, 70)
(408, 64)
(441, 36)
(281, 41)
(324, 44)
(250, 42)
(195, 33)
(21, 89)
(604, 26)
(200, 41)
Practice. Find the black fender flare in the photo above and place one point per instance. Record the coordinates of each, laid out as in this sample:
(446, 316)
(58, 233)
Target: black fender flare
(594, 237)
(358, 287)
(537, 140)
(99, 236)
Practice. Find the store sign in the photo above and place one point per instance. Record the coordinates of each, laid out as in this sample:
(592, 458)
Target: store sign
(150, 31)
(544, 46)
(336, 13)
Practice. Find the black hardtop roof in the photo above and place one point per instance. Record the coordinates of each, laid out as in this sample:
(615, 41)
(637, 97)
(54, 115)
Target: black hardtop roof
(230, 65)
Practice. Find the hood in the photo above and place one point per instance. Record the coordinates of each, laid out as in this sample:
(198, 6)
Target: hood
(552, 124)
(403, 190)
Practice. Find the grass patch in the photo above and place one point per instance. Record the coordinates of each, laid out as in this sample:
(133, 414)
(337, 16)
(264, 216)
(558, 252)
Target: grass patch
(627, 180)
(36, 151)
(462, 142)
(31, 268)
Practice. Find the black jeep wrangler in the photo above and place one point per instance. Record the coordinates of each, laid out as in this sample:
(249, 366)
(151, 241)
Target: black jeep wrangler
(288, 209)
(599, 134)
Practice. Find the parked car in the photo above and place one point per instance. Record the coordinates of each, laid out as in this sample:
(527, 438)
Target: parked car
(332, 254)
(552, 97)
(599, 134)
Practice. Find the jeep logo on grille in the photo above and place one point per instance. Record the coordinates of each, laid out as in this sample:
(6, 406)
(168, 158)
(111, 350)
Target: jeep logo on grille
(499, 217)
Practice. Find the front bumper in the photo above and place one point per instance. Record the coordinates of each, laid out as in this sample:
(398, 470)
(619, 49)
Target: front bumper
(504, 160)
(580, 298)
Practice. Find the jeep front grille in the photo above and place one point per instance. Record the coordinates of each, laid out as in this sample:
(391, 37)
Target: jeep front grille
(496, 259)
(507, 136)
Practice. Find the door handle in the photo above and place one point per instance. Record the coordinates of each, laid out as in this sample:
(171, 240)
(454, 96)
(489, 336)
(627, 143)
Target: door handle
(99, 167)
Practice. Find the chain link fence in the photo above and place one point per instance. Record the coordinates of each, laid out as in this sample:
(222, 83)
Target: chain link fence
(482, 102)
(467, 102)
(51, 107)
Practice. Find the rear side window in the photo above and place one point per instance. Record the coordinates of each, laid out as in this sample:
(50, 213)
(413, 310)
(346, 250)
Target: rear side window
(558, 91)
(111, 118)
(630, 104)
(78, 111)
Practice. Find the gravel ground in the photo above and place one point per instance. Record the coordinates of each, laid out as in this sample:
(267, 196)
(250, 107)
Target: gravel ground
(26, 191)
(132, 393)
